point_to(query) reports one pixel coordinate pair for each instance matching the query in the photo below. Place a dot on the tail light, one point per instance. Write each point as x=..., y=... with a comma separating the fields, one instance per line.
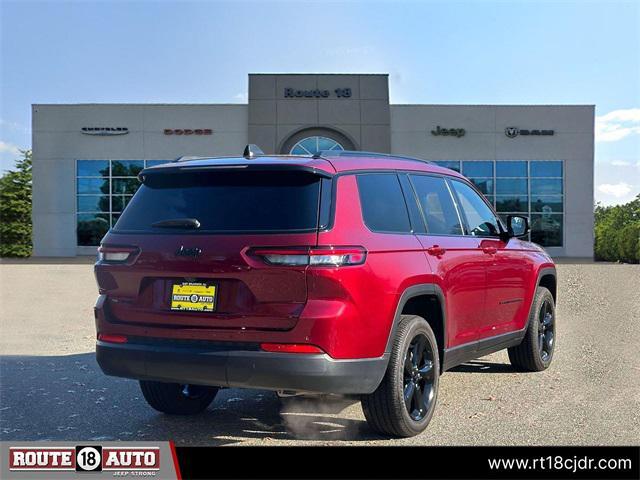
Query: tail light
x=290, y=348
x=312, y=256
x=119, y=254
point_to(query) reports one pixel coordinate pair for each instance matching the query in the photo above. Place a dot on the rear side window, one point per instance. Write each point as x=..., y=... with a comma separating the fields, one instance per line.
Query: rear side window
x=225, y=202
x=437, y=205
x=383, y=205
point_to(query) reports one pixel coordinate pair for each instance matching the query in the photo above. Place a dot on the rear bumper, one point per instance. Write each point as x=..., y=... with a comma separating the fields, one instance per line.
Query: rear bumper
x=241, y=368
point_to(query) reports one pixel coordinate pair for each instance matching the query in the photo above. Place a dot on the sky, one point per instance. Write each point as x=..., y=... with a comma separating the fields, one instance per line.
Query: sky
x=451, y=52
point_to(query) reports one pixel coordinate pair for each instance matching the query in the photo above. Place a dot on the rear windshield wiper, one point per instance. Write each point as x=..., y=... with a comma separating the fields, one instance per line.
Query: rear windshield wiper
x=177, y=223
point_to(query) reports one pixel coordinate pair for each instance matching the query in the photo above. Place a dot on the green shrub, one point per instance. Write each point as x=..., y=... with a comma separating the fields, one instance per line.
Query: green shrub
x=617, y=232
x=15, y=209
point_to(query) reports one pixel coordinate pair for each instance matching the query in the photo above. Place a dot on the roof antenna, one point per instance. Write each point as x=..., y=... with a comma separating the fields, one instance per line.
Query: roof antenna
x=252, y=151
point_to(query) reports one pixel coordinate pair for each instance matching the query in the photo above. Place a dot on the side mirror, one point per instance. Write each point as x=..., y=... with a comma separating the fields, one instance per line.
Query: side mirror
x=517, y=225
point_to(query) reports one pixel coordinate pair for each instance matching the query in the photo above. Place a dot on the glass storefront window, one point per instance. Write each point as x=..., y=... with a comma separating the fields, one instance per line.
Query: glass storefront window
x=477, y=169
x=91, y=228
x=315, y=144
x=546, y=229
x=93, y=203
x=449, y=164
x=124, y=186
x=485, y=185
x=546, y=168
x=153, y=163
x=511, y=185
x=94, y=186
x=93, y=168
x=546, y=203
x=546, y=186
x=512, y=203
x=511, y=169
x=103, y=190
x=523, y=187
x=126, y=168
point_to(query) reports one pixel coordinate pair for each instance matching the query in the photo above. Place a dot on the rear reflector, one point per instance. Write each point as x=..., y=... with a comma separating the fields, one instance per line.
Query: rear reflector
x=290, y=348
x=312, y=256
x=105, y=337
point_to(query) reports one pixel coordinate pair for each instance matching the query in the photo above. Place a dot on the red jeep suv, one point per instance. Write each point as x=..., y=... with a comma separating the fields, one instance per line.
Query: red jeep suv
x=346, y=273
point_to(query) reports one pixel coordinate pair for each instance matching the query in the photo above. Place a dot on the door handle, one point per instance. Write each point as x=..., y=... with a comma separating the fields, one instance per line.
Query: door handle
x=489, y=250
x=436, y=250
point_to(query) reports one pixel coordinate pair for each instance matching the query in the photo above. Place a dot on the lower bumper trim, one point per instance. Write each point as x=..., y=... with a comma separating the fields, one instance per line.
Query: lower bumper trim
x=317, y=373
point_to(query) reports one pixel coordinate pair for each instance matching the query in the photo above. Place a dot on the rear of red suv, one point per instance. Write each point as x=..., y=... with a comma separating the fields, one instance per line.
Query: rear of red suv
x=207, y=280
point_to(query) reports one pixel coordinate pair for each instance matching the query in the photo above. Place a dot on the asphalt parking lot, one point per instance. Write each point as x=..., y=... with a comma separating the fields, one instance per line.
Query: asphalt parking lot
x=51, y=387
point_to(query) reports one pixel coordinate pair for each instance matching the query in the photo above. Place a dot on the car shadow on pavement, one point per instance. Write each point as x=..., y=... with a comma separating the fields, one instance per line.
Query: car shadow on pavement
x=479, y=366
x=69, y=398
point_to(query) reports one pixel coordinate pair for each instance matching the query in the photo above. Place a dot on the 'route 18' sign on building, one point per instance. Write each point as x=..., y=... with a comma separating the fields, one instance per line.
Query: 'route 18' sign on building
x=316, y=93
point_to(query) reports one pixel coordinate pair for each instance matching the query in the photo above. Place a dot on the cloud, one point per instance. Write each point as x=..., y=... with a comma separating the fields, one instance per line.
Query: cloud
x=13, y=126
x=618, y=124
x=620, y=163
x=9, y=148
x=617, y=190
x=242, y=97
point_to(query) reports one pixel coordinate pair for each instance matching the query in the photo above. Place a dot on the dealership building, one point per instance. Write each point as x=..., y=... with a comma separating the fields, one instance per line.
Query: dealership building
x=535, y=160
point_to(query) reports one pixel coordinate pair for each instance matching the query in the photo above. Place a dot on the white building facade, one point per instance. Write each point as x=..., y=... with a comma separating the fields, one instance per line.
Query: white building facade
x=536, y=160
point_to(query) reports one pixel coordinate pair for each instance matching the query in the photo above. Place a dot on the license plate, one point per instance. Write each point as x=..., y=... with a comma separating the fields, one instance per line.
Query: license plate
x=193, y=297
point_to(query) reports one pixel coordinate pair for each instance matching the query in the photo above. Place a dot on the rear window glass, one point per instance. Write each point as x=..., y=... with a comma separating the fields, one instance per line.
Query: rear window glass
x=225, y=202
x=383, y=205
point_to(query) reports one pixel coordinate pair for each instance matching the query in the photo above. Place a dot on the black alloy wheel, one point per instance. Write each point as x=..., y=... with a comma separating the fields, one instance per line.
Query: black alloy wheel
x=404, y=402
x=546, y=330
x=535, y=352
x=418, y=377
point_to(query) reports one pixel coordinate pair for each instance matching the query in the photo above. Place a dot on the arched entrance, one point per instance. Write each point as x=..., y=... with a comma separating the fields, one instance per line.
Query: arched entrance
x=313, y=140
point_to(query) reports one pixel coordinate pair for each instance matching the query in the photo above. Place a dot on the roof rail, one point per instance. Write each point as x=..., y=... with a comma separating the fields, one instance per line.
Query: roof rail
x=356, y=153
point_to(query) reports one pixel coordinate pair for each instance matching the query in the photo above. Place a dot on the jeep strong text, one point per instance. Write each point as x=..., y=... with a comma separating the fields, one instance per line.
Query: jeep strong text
x=344, y=272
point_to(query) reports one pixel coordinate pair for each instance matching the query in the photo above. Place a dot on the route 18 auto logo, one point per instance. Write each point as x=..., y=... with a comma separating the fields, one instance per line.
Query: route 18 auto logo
x=85, y=458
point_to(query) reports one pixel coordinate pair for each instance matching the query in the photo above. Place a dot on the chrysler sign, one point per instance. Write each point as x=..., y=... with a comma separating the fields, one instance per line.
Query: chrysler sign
x=105, y=131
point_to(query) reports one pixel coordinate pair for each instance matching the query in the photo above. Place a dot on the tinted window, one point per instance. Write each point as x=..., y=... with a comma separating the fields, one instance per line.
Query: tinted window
x=511, y=169
x=548, y=186
x=93, y=168
x=437, y=205
x=480, y=219
x=225, y=202
x=546, y=169
x=126, y=168
x=477, y=169
x=511, y=185
x=383, y=205
x=485, y=185
x=452, y=165
x=546, y=229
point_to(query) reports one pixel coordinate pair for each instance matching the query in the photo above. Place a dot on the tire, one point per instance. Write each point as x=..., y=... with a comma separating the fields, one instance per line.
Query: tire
x=385, y=409
x=535, y=353
x=177, y=399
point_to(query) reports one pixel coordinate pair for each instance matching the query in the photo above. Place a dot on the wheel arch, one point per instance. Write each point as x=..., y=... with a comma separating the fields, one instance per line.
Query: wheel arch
x=547, y=278
x=426, y=300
